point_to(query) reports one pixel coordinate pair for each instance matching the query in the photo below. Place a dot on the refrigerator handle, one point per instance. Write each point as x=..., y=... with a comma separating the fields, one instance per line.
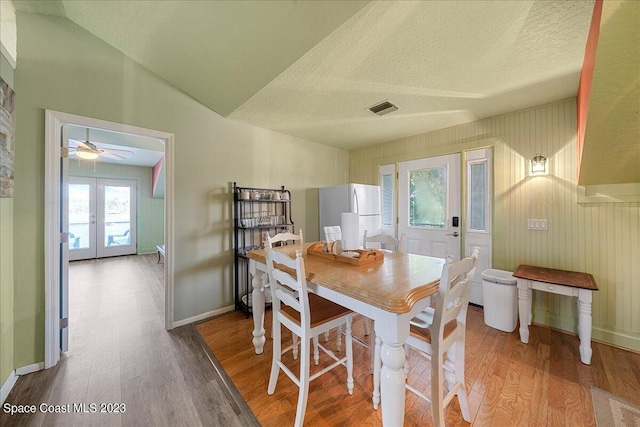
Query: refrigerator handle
x=355, y=196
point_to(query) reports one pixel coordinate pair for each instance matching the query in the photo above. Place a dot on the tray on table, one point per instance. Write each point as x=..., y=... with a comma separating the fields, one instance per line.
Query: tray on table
x=367, y=256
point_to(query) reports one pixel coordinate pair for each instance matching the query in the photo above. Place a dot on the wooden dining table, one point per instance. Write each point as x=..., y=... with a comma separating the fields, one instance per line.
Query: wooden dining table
x=391, y=293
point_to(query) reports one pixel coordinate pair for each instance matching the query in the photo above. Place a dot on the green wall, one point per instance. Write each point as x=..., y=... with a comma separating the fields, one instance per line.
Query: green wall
x=6, y=288
x=149, y=211
x=599, y=238
x=64, y=68
x=6, y=263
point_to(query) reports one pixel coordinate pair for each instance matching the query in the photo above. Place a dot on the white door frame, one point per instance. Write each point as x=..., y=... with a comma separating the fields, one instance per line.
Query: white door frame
x=54, y=120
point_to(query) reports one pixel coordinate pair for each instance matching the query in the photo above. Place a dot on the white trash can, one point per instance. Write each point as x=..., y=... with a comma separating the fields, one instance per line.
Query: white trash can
x=500, y=298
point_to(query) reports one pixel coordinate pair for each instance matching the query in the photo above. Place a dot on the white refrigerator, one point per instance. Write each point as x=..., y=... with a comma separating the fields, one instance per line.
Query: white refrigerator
x=360, y=198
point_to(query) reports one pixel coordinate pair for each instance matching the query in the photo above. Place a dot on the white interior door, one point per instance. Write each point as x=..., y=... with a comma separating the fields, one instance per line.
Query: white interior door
x=478, y=214
x=102, y=217
x=429, y=205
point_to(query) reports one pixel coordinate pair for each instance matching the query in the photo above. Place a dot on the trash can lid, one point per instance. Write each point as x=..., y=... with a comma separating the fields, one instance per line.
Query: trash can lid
x=499, y=276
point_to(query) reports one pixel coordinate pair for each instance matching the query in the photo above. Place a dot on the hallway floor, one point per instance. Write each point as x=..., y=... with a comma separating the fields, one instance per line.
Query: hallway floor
x=119, y=352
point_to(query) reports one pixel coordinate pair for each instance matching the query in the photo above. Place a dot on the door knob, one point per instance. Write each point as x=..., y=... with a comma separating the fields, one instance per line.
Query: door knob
x=454, y=234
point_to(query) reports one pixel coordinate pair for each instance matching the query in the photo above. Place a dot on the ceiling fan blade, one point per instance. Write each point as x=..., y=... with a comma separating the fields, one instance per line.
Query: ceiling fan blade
x=112, y=155
x=116, y=151
x=83, y=144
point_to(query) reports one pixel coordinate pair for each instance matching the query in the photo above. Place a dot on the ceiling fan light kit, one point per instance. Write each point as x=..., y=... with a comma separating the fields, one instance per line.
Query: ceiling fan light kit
x=86, y=154
x=88, y=151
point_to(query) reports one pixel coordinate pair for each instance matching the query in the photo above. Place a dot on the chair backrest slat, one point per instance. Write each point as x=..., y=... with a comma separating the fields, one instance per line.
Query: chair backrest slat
x=283, y=238
x=286, y=293
x=284, y=285
x=383, y=239
x=452, y=299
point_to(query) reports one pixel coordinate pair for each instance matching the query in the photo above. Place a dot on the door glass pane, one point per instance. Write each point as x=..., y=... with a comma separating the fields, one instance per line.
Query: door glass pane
x=478, y=196
x=79, y=216
x=117, y=215
x=387, y=199
x=428, y=197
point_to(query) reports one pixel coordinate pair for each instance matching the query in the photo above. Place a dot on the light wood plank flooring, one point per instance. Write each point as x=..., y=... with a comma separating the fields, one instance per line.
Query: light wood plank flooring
x=120, y=353
x=509, y=383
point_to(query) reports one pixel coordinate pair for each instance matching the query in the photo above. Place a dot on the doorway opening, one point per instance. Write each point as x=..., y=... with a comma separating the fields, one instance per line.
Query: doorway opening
x=58, y=240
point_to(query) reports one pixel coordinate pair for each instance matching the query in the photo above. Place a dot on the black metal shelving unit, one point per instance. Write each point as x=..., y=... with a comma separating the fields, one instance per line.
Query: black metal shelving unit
x=256, y=213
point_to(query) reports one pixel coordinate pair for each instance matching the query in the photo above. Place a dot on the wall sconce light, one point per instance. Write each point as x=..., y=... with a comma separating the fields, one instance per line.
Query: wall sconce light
x=539, y=165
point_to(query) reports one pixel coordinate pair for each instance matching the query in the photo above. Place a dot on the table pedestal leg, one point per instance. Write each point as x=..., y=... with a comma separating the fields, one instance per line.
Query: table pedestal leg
x=258, y=311
x=524, y=309
x=584, y=325
x=376, y=372
x=392, y=384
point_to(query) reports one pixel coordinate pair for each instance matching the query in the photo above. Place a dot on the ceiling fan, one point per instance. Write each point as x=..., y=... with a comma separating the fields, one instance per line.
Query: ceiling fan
x=88, y=151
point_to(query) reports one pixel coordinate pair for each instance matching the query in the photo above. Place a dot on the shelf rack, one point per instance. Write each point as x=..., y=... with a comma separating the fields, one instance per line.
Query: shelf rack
x=257, y=212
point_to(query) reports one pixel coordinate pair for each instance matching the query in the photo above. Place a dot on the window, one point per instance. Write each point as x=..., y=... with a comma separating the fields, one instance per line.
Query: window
x=428, y=197
x=478, y=196
x=386, y=184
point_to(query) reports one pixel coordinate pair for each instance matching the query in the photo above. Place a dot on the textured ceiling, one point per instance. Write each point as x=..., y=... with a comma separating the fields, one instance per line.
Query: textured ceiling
x=218, y=52
x=444, y=63
x=311, y=68
x=611, y=151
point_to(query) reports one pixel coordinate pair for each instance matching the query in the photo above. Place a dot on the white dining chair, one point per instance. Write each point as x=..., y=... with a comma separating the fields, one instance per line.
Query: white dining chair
x=446, y=334
x=391, y=242
x=288, y=238
x=285, y=239
x=305, y=315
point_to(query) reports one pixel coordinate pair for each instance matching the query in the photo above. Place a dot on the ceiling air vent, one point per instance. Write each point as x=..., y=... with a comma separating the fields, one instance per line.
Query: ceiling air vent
x=383, y=108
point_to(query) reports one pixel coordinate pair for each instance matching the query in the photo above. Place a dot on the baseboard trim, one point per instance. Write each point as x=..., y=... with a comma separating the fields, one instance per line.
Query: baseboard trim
x=147, y=251
x=616, y=339
x=7, y=386
x=570, y=325
x=203, y=316
x=35, y=367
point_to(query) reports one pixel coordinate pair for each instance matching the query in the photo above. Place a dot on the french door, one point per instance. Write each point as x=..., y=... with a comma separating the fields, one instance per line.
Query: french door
x=102, y=217
x=429, y=205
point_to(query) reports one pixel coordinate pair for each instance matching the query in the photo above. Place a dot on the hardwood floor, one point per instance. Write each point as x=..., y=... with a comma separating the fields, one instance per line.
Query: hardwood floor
x=119, y=352
x=542, y=383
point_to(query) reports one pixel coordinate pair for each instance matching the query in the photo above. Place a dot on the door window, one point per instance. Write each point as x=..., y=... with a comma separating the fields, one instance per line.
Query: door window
x=79, y=215
x=428, y=197
x=117, y=215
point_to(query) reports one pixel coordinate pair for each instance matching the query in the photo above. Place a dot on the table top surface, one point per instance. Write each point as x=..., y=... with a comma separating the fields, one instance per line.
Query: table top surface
x=558, y=277
x=394, y=285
